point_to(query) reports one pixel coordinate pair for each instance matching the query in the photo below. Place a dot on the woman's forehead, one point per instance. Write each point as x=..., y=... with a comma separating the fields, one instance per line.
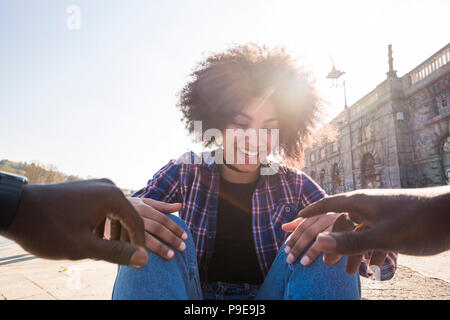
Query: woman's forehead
x=259, y=109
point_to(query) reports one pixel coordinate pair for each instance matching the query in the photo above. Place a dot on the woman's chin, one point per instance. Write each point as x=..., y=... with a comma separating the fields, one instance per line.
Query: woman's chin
x=248, y=167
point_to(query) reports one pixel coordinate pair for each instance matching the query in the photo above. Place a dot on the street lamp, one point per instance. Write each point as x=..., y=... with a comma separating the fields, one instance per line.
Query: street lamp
x=334, y=75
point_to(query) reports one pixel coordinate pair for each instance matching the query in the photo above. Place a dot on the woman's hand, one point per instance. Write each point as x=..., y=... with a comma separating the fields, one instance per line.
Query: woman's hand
x=157, y=226
x=303, y=232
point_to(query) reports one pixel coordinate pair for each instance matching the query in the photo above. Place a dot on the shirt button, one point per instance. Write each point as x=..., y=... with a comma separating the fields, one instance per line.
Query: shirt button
x=287, y=209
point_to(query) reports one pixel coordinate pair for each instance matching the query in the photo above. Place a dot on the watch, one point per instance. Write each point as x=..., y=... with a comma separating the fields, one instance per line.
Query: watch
x=11, y=186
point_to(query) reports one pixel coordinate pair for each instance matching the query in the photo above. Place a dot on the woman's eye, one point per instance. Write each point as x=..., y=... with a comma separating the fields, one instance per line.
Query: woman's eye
x=240, y=124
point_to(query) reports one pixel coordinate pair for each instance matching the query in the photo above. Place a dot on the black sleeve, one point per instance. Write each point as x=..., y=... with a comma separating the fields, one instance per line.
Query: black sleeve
x=10, y=193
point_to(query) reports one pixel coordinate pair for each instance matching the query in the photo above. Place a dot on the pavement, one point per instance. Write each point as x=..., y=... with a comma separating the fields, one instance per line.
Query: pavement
x=26, y=277
x=416, y=278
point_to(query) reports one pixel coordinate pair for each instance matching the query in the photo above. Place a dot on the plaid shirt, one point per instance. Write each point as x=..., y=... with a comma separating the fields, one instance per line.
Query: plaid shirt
x=194, y=182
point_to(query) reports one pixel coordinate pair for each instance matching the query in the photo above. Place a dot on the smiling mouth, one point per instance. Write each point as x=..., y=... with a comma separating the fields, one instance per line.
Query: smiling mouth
x=248, y=152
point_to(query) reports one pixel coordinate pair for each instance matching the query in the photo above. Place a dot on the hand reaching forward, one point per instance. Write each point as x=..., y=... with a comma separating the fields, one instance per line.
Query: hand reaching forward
x=67, y=220
x=306, y=229
x=408, y=221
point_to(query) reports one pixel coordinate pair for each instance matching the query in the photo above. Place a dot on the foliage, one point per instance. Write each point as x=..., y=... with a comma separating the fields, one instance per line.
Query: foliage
x=36, y=172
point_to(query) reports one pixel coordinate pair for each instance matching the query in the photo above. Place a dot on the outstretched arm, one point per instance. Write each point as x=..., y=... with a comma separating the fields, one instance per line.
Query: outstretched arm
x=67, y=220
x=409, y=221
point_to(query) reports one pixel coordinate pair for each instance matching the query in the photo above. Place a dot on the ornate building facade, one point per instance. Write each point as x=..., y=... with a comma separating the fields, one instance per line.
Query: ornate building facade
x=396, y=136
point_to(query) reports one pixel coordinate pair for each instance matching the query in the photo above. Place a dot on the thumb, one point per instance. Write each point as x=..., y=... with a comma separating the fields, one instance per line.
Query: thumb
x=118, y=252
x=348, y=243
x=291, y=226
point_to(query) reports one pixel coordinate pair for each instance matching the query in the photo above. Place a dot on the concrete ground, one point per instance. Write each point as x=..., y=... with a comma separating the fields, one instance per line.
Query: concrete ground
x=416, y=278
x=23, y=276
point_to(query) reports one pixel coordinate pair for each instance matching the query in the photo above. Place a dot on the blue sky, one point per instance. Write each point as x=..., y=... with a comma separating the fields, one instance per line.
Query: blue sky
x=100, y=101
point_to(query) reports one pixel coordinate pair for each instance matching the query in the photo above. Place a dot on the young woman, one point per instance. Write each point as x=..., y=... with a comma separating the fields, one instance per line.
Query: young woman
x=228, y=241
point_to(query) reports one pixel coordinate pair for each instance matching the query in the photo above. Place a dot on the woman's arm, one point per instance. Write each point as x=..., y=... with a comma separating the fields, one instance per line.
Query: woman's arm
x=164, y=186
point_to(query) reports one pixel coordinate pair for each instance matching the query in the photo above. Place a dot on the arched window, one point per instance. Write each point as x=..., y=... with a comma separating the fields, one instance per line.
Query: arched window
x=368, y=174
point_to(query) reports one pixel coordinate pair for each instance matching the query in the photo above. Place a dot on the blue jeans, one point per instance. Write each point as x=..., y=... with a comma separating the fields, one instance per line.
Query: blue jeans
x=178, y=279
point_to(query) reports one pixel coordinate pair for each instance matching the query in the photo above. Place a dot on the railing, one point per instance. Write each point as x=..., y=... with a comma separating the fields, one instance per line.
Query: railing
x=440, y=58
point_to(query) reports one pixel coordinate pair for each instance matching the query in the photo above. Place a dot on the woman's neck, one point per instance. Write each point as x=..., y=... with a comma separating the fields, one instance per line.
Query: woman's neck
x=236, y=176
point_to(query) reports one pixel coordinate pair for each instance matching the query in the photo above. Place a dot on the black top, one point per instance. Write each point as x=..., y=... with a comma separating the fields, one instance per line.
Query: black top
x=234, y=257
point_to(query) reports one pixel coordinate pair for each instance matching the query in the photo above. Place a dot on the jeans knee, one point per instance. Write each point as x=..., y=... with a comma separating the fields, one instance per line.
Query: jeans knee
x=160, y=273
x=321, y=281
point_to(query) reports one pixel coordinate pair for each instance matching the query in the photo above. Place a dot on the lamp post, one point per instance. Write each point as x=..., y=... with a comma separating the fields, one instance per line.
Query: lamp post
x=334, y=75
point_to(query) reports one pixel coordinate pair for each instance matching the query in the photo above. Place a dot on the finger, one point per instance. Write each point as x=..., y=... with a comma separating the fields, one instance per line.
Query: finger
x=311, y=255
x=291, y=226
x=150, y=213
x=115, y=230
x=355, y=204
x=156, y=246
x=348, y=243
x=335, y=203
x=353, y=263
x=340, y=225
x=130, y=220
x=163, y=206
x=292, y=240
x=118, y=252
x=343, y=223
x=107, y=233
x=304, y=241
x=331, y=258
x=100, y=229
x=377, y=258
x=156, y=229
x=124, y=235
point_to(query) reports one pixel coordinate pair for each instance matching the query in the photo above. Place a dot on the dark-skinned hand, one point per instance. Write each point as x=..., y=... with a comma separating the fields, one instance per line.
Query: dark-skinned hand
x=408, y=221
x=67, y=220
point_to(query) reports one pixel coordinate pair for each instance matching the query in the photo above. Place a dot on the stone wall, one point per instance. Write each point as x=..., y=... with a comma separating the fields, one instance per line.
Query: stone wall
x=396, y=137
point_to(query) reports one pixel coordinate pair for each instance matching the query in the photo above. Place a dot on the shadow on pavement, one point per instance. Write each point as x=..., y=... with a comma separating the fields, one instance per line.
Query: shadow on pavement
x=17, y=258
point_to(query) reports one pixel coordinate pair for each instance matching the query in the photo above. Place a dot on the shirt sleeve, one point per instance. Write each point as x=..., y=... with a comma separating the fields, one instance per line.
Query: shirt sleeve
x=164, y=186
x=386, y=272
x=310, y=190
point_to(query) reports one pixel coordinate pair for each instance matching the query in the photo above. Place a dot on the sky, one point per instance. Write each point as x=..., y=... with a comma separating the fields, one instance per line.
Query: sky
x=96, y=97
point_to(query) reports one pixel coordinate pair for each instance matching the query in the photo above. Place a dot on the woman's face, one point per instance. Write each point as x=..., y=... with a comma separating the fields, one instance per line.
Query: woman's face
x=244, y=142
